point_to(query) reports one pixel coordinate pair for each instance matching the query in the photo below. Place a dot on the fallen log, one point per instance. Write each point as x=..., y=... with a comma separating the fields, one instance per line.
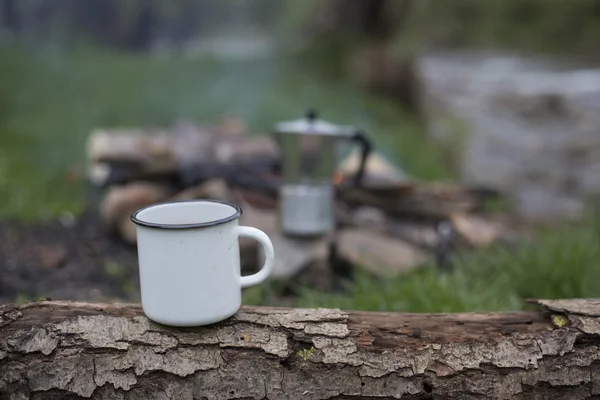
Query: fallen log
x=429, y=200
x=382, y=255
x=179, y=155
x=68, y=350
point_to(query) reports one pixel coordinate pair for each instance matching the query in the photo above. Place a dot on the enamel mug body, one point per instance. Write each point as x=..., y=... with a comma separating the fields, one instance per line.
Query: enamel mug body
x=189, y=261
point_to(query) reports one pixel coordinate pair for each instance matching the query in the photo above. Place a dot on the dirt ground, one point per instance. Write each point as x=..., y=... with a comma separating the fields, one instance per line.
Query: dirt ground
x=76, y=261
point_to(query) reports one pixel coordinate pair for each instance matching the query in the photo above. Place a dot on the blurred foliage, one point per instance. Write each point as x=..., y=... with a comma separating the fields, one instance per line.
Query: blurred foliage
x=526, y=25
x=51, y=100
x=538, y=25
x=142, y=24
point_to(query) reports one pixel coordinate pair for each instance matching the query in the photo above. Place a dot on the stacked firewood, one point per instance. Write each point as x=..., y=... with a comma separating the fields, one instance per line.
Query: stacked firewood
x=388, y=225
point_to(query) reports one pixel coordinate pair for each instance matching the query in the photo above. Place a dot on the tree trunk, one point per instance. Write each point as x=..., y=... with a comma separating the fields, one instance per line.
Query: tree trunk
x=67, y=350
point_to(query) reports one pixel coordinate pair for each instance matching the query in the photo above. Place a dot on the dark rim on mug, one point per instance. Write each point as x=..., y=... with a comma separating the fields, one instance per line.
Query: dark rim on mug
x=234, y=216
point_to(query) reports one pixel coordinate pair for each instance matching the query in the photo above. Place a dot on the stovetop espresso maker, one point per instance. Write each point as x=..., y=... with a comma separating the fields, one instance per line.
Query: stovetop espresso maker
x=309, y=150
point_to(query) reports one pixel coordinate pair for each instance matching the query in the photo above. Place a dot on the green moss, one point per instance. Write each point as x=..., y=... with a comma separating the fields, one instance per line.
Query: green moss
x=305, y=354
x=23, y=298
x=559, y=320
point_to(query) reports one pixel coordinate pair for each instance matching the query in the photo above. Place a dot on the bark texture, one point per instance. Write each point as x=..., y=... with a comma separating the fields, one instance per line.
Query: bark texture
x=68, y=350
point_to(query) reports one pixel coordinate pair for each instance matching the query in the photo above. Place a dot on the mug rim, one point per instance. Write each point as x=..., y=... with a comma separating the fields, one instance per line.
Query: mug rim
x=234, y=216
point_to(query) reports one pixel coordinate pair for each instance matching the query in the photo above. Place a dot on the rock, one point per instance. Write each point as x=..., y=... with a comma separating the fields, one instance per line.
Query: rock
x=420, y=234
x=527, y=126
x=121, y=201
x=542, y=204
x=51, y=256
x=292, y=256
x=589, y=179
x=371, y=217
x=379, y=254
x=127, y=230
x=478, y=231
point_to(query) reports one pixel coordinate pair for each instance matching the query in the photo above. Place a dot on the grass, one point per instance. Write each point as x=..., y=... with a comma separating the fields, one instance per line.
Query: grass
x=50, y=101
x=559, y=264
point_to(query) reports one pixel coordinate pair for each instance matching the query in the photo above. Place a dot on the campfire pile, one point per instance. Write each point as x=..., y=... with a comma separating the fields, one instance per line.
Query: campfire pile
x=388, y=225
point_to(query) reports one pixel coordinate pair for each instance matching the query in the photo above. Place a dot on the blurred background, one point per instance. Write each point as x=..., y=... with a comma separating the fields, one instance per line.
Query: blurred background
x=499, y=94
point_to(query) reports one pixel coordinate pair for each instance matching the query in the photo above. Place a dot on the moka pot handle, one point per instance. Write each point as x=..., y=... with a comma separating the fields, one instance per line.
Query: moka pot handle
x=363, y=140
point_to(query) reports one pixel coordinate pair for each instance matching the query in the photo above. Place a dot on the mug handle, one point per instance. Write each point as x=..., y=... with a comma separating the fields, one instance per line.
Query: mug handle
x=267, y=268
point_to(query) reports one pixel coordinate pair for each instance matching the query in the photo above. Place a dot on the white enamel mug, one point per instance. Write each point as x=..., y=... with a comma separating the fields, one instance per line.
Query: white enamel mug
x=189, y=260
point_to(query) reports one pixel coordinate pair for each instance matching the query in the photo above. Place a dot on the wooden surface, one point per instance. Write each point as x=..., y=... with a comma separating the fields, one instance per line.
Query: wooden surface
x=52, y=350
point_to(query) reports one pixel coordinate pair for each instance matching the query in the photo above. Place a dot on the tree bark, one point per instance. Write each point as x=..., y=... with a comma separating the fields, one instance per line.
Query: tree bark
x=68, y=350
